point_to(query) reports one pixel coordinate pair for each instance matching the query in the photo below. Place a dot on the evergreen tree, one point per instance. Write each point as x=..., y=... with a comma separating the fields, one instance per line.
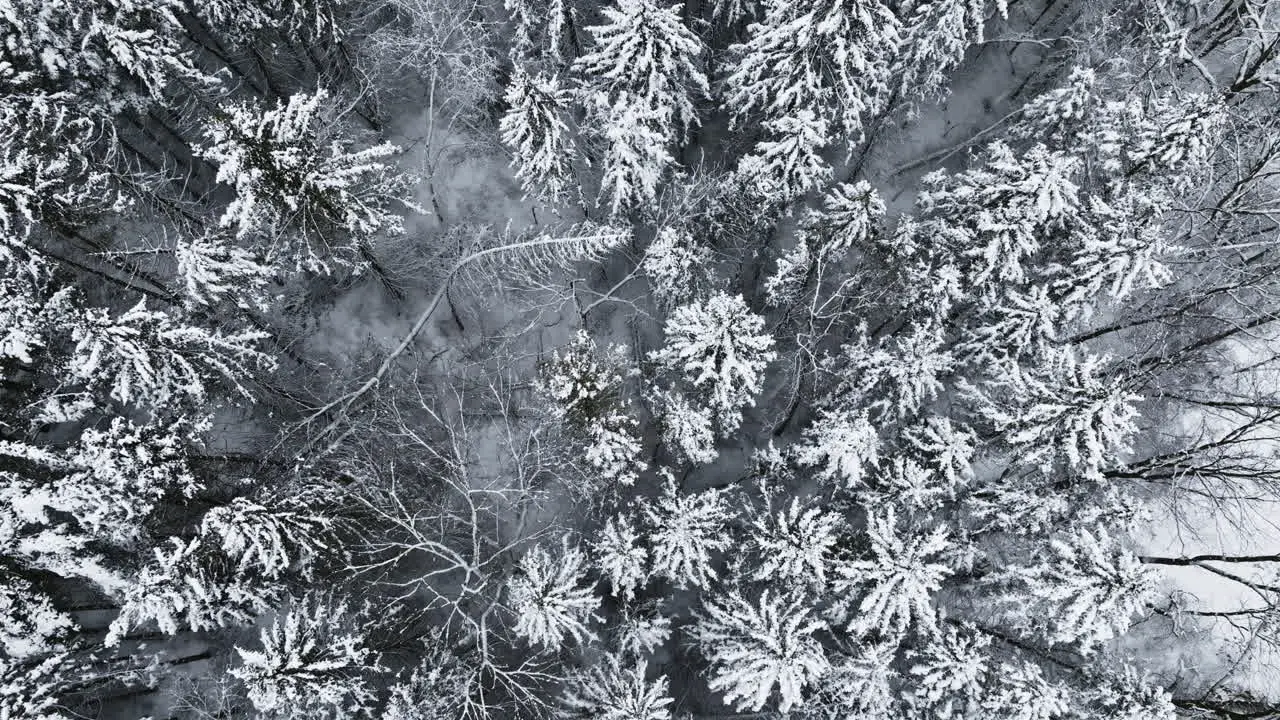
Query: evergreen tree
x=755, y=647
x=537, y=134
x=719, y=347
x=829, y=59
x=622, y=557
x=302, y=194
x=645, y=57
x=896, y=583
x=549, y=600
x=795, y=543
x=639, y=84
x=685, y=530
x=613, y=691
x=312, y=661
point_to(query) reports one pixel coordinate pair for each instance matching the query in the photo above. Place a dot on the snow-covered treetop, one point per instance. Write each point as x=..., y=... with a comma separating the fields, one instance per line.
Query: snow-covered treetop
x=214, y=270
x=550, y=599
x=106, y=51
x=949, y=674
x=829, y=58
x=30, y=625
x=535, y=130
x=314, y=659
x=849, y=218
x=678, y=267
x=585, y=388
x=1089, y=590
x=47, y=168
x=685, y=531
x=149, y=358
x=622, y=556
x=638, y=85
x=271, y=537
x=29, y=690
x=934, y=41
x=1006, y=207
x=291, y=174
x=645, y=56
x=611, y=690
x=111, y=479
x=755, y=647
x=790, y=163
x=1065, y=410
x=794, y=543
x=897, y=582
x=845, y=447
x=176, y=590
x=243, y=20
x=636, y=151
x=687, y=428
x=896, y=377
x=720, y=348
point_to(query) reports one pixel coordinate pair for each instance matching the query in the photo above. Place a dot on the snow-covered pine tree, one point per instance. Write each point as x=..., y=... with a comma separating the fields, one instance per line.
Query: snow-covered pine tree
x=1088, y=590
x=272, y=536
x=896, y=377
x=844, y=446
x=790, y=163
x=849, y=219
x=151, y=358
x=30, y=624
x=638, y=85
x=622, y=557
x=585, y=387
x=612, y=690
x=635, y=152
x=945, y=447
x=212, y=269
x=304, y=195
x=678, y=267
x=1004, y=209
x=29, y=689
x=103, y=53
x=184, y=588
x=545, y=30
x=830, y=59
x=893, y=589
x=756, y=647
x=535, y=131
x=51, y=175
x=1127, y=693
x=792, y=275
x=1022, y=692
x=719, y=347
x=644, y=56
x=685, y=531
x=1064, y=412
x=109, y=481
x=794, y=543
x=934, y=41
x=863, y=682
x=314, y=661
x=688, y=429
x=243, y=22
x=641, y=630
x=949, y=675
x=550, y=599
